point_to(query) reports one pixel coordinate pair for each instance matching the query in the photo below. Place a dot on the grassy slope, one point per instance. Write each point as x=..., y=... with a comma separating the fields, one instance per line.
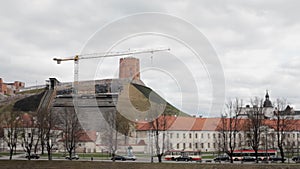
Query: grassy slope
x=142, y=98
x=26, y=104
x=30, y=103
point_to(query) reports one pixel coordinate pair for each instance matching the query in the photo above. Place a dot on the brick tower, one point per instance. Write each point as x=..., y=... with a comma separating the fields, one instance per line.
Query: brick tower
x=129, y=68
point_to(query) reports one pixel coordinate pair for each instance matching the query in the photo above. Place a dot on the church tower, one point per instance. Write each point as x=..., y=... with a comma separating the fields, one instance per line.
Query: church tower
x=267, y=102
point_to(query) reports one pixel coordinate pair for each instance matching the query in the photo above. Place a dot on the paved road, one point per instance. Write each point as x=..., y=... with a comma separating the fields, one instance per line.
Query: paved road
x=139, y=159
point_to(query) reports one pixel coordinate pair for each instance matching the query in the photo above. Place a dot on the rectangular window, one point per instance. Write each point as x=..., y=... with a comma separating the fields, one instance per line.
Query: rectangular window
x=177, y=146
x=177, y=135
x=196, y=135
x=171, y=135
x=183, y=135
x=201, y=135
x=171, y=146
x=214, y=145
x=202, y=145
x=208, y=145
x=214, y=135
x=196, y=145
x=208, y=136
x=190, y=145
x=183, y=145
x=190, y=135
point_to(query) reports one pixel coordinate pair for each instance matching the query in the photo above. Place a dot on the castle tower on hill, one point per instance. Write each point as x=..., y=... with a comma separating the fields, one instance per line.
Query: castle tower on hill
x=129, y=68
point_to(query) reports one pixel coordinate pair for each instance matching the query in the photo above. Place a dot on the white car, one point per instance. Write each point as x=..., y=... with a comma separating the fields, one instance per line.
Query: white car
x=74, y=157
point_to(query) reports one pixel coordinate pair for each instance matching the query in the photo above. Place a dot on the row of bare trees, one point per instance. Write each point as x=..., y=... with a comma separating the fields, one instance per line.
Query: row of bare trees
x=40, y=131
x=252, y=123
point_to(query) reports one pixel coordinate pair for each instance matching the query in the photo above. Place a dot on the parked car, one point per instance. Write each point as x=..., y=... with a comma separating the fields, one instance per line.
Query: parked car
x=296, y=159
x=124, y=158
x=32, y=156
x=183, y=158
x=275, y=158
x=248, y=159
x=221, y=158
x=73, y=157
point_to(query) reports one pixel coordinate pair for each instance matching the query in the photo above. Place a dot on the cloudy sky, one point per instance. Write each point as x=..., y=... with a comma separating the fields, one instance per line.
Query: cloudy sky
x=257, y=44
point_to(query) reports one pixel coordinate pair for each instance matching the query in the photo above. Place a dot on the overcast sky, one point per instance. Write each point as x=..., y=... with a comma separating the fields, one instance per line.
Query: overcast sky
x=257, y=43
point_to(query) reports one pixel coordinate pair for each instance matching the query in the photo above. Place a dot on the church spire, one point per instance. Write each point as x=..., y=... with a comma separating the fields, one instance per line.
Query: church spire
x=267, y=95
x=267, y=102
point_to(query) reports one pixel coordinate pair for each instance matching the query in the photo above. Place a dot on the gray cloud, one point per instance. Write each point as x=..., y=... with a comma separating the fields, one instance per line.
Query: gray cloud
x=257, y=43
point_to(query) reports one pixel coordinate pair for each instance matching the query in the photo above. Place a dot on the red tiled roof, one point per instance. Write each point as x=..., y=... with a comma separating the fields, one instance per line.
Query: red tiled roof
x=211, y=124
x=184, y=124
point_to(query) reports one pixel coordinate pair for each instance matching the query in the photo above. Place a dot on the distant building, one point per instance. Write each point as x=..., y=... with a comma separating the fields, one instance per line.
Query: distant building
x=267, y=111
x=10, y=88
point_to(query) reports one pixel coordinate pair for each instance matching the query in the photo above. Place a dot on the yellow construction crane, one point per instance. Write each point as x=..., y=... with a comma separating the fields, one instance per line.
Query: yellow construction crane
x=101, y=55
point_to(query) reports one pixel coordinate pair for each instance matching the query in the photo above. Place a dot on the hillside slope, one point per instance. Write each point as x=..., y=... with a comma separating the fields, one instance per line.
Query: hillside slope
x=149, y=93
x=139, y=103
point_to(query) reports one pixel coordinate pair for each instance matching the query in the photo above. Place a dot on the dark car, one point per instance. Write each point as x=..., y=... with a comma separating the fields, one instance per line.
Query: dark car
x=183, y=158
x=221, y=158
x=248, y=159
x=124, y=158
x=73, y=157
x=296, y=159
x=32, y=156
x=275, y=158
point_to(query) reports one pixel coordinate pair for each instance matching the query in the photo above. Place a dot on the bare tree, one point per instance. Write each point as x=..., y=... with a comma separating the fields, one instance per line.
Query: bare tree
x=254, y=124
x=110, y=134
x=116, y=125
x=50, y=134
x=40, y=124
x=123, y=126
x=282, y=124
x=158, y=127
x=71, y=130
x=11, y=123
x=29, y=135
x=230, y=125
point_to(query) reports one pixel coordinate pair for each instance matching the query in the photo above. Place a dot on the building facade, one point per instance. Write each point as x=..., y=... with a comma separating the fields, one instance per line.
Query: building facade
x=10, y=88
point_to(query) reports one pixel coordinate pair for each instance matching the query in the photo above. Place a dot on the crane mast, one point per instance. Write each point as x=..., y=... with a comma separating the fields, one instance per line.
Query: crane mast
x=77, y=58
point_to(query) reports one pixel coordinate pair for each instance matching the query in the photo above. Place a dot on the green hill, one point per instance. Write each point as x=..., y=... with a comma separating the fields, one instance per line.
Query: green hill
x=169, y=109
x=138, y=102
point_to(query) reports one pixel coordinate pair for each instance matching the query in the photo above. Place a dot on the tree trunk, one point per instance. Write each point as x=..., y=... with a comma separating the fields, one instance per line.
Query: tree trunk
x=281, y=153
x=42, y=146
x=10, y=153
x=49, y=153
x=159, y=156
x=231, y=157
x=256, y=155
x=70, y=154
